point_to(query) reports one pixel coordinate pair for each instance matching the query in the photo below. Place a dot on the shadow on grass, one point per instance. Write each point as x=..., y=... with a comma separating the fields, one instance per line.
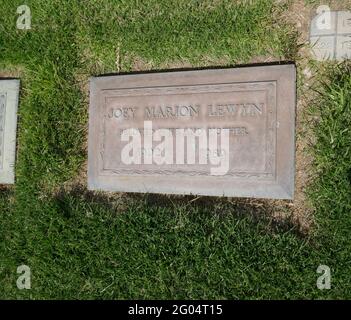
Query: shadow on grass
x=275, y=215
x=258, y=64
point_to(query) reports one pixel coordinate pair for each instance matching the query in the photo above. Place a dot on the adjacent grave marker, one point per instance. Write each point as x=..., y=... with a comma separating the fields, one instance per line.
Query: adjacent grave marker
x=330, y=35
x=9, y=91
x=209, y=132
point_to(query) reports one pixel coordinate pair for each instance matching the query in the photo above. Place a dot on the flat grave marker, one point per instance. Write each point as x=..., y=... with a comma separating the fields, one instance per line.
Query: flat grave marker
x=219, y=132
x=331, y=38
x=9, y=91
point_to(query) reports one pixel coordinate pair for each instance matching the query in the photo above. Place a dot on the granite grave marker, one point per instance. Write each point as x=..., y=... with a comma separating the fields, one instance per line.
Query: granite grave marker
x=219, y=132
x=9, y=91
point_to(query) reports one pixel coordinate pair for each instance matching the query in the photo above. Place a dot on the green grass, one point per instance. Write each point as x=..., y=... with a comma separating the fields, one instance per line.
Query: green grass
x=331, y=190
x=90, y=245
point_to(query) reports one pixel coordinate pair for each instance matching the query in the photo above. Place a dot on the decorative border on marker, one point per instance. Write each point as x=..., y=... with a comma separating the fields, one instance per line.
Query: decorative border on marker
x=270, y=87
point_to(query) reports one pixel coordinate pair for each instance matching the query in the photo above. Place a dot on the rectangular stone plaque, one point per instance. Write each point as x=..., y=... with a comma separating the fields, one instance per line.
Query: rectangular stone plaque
x=330, y=35
x=9, y=91
x=220, y=132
